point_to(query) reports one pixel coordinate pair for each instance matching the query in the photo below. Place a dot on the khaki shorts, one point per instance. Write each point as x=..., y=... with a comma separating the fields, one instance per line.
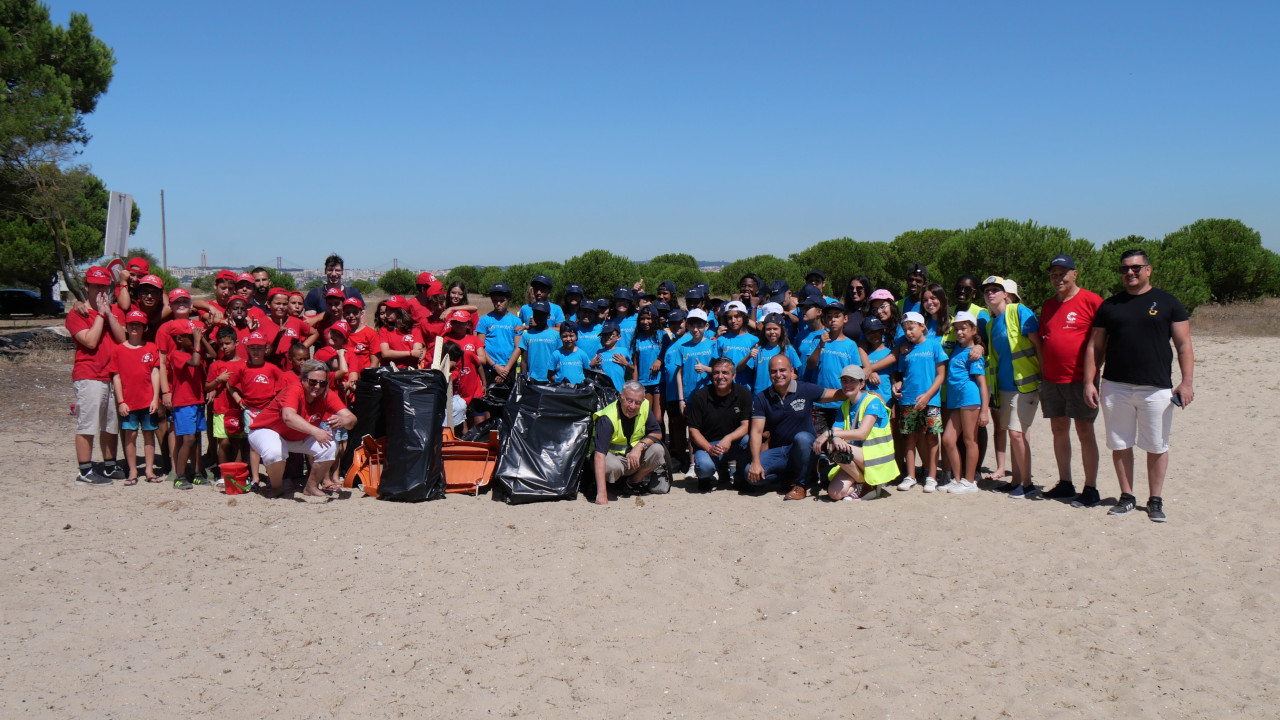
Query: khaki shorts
x=1023, y=405
x=1065, y=400
x=95, y=408
x=1137, y=416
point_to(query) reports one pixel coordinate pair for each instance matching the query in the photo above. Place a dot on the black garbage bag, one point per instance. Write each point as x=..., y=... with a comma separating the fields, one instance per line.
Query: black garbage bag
x=606, y=393
x=413, y=402
x=366, y=405
x=480, y=433
x=546, y=431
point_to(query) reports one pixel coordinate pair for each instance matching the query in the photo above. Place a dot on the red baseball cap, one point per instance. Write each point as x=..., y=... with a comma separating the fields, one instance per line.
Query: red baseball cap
x=460, y=316
x=97, y=276
x=325, y=354
x=136, y=316
x=342, y=327
x=152, y=280
x=178, y=294
x=234, y=298
x=256, y=338
x=334, y=292
x=139, y=264
x=244, y=277
x=353, y=302
x=225, y=275
x=181, y=327
x=231, y=423
x=277, y=291
x=426, y=278
x=395, y=301
x=435, y=288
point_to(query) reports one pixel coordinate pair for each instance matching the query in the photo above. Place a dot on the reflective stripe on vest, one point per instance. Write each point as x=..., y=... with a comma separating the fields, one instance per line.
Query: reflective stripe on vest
x=878, y=464
x=618, y=444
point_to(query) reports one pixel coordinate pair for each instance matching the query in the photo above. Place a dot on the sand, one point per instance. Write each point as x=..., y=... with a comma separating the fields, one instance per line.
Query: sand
x=141, y=602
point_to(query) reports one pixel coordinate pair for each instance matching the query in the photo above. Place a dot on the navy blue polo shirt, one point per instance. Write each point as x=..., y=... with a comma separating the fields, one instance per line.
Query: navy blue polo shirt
x=786, y=416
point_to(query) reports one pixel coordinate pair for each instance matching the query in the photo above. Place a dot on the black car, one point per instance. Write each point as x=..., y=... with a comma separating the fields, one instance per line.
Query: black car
x=16, y=301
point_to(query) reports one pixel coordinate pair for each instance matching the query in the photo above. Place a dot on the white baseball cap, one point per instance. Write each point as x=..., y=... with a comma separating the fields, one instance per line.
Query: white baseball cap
x=1011, y=287
x=965, y=316
x=735, y=305
x=771, y=308
x=697, y=314
x=913, y=316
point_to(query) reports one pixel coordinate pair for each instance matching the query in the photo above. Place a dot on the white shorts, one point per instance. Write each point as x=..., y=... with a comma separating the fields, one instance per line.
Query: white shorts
x=273, y=449
x=95, y=408
x=1023, y=405
x=1137, y=416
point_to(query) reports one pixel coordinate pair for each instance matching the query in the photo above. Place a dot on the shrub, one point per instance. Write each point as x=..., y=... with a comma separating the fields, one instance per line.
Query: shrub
x=1229, y=256
x=843, y=258
x=313, y=283
x=683, y=276
x=468, y=275
x=680, y=259
x=1171, y=270
x=519, y=277
x=281, y=279
x=768, y=267
x=399, y=281
x=1011, y=249
x=204, y=283
x=599, y=272
x=364, y=287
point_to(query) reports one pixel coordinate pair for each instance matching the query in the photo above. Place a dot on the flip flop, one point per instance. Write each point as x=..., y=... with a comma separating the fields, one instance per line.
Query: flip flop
x=155, y=479
x=130, y=481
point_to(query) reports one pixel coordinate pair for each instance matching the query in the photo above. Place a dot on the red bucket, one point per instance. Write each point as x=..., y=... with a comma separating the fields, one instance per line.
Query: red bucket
x=235, y=478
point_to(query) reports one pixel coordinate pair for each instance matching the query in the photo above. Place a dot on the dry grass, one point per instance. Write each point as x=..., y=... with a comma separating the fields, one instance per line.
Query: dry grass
x=1245, y=319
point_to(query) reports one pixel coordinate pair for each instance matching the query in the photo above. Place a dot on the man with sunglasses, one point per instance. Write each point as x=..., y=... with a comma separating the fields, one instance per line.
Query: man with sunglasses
x=1131, y=337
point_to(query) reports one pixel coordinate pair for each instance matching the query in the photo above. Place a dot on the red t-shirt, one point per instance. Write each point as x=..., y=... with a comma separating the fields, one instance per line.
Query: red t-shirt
x=470, y=386
x=91, y=364
x=259, y=314
x=258, y=385
x=186, y=382
x=281, y=337
x=204, y=314
x=419, y=312
x=1065, y=328
x=361, y=347
x=400, y=341
x=294, y=397
x=222, y=403
x=164, y=336
x=134, y=366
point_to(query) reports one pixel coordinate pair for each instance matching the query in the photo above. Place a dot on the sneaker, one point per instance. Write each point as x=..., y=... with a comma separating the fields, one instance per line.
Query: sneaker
x=91, y=477
x=907, y=483
x=962, y=487
x=1064, y=490
x=1155, y=509
x=1024, y=492
x=1006, y=487
x=219, y=483
x=876, y=491
x=200, y=478
x=1125, y=506
x=182, y=483
x=848, y=498
x=930, y=485
x=116, y=472
x=1087, y=498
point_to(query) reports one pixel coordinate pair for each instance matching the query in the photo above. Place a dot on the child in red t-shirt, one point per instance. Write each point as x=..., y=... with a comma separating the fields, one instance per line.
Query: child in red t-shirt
x=281, y=328
x=334, y=356
x=362, y=344
x=401, y=340
x=95, y=328
x=185, y=388
x=297, y=304
x=471, y=377
x=135, y=376
x=254, y=387
x=228, y=421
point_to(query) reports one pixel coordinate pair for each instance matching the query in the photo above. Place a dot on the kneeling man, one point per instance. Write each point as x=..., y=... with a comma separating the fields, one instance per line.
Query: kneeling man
x=628, y=445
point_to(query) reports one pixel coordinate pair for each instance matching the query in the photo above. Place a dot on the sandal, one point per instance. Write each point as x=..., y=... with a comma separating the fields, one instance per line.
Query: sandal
x=154, y=479
x=130, y=481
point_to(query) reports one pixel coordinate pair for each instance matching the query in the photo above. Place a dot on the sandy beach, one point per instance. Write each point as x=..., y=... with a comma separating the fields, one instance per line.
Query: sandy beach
x=149, y=602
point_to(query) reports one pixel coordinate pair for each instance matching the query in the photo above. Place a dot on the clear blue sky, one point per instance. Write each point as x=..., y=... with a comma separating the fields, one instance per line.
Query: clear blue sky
x=490, y=133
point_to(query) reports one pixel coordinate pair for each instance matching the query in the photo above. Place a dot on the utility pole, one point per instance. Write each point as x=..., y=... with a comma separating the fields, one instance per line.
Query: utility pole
x=164, y=241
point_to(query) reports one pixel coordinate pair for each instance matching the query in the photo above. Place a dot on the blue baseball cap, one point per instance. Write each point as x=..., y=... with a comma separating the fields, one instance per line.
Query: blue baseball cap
x=661, y=308
x=668, y=286
x=624, y=293
x=588, y=306
x=696, y=293
x=543, y=280
x=872, y=324
x=778, y=290
x=649, y=310
x=810, y=295
x=837, y=305
x=609, y=327
x=1063, y=261
x=676, y=316
x=569, y=325
x=573, y=289
x=500, y=288
x=541, y=306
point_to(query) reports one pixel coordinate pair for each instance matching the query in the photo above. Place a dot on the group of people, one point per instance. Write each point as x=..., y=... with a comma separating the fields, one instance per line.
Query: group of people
x=782, y=387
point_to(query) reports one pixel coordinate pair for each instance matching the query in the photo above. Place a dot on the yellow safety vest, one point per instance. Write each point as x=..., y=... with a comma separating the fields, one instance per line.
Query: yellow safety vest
x=878, y=463
x=618, y=444
x=1026, y=366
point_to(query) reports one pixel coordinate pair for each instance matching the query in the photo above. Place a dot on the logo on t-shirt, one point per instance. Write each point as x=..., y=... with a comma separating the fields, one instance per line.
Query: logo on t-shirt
x=1071, y=318
x=1153, y=310
x=262, y=379
x=406, y=338
x=148, y=357
x=797, y=404
x=361, y=347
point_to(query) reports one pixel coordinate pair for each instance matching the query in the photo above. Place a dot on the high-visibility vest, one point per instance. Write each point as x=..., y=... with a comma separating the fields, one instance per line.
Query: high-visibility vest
x=618, y=444
x=878, y=463
x=1026, y=366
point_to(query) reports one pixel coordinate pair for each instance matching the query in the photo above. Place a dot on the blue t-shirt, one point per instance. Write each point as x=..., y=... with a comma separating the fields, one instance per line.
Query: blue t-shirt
x=759, y=365
x=786, y=416
x=557, y=315
x=919, y=369
x=736, y=348
x=885, y=388
x=568, y=365
x=909, y=305
x=617, y=373
x=626, y=330
x=800, y=333
x=671, y=366
x=499, y=333
x=835, y=356
x=962, y=389
x=875, y=409
x=646, y=350
x=690, y=357
x=540, y=344
x=984, y=319
x=1000, y=342
x=805, y=350
x=589, y=340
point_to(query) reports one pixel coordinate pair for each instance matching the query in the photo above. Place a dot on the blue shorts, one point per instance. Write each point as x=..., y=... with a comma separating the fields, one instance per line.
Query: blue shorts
x=188, y=420
x=139, y=420
x=339, y=434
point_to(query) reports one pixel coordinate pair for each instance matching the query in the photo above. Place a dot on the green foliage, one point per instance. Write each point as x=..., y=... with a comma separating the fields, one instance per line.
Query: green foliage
x=681, y=259
x=519, y=277
x=842, y=258
x=203, y=283
x=281, y=279
x=364, y=287
x=1227, y=254
x=1172, y=270
x=768, y=267
x=1017, y=250
x=488, y=277
x=399, y=281
x=312, y=284
x=916, y=246
x=468, y=275
x=599, y=272
x=170, y=282
x=683, y=276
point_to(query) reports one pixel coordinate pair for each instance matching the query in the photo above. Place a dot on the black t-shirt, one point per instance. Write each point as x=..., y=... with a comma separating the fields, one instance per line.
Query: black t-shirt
x=1139, y=331
x=604, y=429
x=315, y=300
x=715, y=416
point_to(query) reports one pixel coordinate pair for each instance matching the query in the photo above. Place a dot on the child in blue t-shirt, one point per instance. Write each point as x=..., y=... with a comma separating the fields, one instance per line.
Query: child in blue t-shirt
x=610, y=359
x=966, y=405
x=568, y=360
x=917, y=383
x=878, y=360
x=736, y=343
x=832, y=352
x=538, y=343
x=499, y=330
x=694, y=357
x=677, y=442
x=757, y=361
x=588, y=328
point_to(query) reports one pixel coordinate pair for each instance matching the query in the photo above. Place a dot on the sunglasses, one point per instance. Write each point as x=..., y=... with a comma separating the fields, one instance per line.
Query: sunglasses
x=857, y=289
x=1126, y=269
x=315, y=383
